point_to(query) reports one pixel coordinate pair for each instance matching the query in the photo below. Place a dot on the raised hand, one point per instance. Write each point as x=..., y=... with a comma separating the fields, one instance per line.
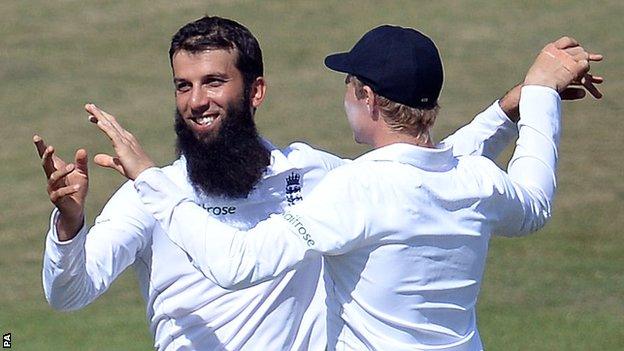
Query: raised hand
x=564, y=65
x=68, y=184
x=130, y=160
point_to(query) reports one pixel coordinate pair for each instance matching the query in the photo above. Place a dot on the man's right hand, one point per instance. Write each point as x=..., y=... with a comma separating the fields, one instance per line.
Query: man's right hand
x=564, y=63
x=67, y=187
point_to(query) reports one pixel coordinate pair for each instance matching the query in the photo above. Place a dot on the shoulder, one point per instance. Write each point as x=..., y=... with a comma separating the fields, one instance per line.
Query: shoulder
x=478, y=166
x=345, y=181
x=485, y=174
x=303, y=155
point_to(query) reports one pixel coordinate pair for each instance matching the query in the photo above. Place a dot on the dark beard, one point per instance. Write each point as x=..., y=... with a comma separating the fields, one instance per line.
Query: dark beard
x=229, y=163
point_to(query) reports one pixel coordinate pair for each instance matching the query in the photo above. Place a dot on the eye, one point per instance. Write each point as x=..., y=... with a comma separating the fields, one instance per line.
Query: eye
x=215, y=83
x=182, y=87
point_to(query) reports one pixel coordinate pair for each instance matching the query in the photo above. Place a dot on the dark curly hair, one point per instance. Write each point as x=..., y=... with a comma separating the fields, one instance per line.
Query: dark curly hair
x=212, y=32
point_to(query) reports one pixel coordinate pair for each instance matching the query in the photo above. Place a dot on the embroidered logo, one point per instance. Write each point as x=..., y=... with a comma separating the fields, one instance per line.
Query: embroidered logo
x=293, y=188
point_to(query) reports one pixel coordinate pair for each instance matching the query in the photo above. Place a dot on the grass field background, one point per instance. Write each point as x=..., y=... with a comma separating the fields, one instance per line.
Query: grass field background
x=560, y=289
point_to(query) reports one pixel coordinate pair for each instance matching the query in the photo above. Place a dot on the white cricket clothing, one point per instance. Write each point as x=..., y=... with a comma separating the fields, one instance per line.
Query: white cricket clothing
x=184, y=309
x=404, y=231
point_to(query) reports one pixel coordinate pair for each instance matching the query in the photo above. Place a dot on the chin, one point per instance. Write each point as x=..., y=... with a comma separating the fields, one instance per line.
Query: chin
x=206, y=134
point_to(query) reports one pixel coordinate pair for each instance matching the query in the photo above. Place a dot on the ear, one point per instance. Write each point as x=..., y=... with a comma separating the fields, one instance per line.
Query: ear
x=258, y=91
x=371, y=102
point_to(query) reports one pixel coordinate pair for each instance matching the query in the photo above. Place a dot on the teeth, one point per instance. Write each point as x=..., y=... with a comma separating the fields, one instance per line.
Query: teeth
x=205, y=121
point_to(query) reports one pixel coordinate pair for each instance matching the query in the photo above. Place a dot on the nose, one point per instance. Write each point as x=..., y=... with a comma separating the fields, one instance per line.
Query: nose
x=199, y=100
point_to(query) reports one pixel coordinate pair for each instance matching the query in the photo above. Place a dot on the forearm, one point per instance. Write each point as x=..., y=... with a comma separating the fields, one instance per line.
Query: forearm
x=66, y=283
x=225, y=255
x=77, y=271
x=487, y=134
x=534, y=163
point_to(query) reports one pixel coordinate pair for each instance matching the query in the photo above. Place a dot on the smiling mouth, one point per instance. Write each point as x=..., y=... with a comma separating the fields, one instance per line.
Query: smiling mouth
x=203, y=120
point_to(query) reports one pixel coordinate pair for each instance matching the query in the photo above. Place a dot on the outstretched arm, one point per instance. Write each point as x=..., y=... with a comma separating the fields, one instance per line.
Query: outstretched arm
x=77, y=267
x=233, y=258
x=531, y=181
x=494, y=128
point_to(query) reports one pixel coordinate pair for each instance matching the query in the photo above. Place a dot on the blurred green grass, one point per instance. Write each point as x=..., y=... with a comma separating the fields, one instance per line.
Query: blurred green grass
x=561, y=289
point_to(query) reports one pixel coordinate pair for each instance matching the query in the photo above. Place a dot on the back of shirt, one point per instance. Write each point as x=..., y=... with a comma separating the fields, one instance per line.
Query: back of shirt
x=412, y=276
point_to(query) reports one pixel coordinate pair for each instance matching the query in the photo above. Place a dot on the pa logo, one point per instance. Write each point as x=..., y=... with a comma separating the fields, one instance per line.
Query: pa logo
x=6, y=341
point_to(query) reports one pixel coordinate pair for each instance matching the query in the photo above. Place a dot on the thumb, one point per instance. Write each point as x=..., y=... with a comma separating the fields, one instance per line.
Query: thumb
x=109, y=161
x=81, y=161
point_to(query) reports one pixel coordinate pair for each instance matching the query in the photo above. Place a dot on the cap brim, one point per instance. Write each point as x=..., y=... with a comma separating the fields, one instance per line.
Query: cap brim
x=338, y=62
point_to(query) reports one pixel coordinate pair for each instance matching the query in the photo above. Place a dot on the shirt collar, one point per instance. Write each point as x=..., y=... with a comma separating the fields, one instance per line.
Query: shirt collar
x=279, y=162
x=435, y=159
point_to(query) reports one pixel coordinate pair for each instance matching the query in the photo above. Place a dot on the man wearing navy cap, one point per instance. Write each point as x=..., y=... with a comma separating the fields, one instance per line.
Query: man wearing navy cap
x=404, y=229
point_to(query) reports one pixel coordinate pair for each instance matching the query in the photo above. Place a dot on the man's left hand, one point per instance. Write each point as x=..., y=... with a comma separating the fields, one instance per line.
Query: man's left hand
x=131, y=159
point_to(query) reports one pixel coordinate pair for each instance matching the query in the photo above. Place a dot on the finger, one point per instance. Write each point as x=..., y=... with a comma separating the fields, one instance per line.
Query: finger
x=575, y=50
x=109, y=161
x=572, y=93
x=39, y=144
x=97, y=116
x=102, y=122
x=101, y=114
x=595, y=57
x=82, y=161
x=596, y=79
x=59, y=194
x=591, y=88
x=58, y=175
x=565, y=42
x=46, y=161
x=581, y=56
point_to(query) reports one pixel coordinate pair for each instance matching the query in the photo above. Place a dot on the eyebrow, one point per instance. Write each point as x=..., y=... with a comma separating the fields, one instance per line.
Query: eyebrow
x=208, y=76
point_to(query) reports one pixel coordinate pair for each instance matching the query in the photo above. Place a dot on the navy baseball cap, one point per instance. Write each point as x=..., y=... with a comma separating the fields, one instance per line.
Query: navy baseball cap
x=400, y=64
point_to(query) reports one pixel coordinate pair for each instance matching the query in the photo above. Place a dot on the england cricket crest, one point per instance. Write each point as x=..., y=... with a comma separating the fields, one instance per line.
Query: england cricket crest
x=293, y=188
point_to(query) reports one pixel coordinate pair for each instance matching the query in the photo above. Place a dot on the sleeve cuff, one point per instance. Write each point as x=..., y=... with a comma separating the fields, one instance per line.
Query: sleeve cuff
x=537, y=103
x=152, y=185
x=542, y=90
x=158, y=193
x=501, y=114
x=56, y=249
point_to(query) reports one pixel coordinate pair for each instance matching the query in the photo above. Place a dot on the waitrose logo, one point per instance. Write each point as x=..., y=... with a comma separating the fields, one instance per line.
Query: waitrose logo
x=220, y=210
x=299, y=227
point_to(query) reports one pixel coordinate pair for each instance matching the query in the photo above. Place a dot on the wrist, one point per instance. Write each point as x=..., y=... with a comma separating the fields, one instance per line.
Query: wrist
x=67, y=227
x=141, y=169
x=510, y=103
x=542, y=81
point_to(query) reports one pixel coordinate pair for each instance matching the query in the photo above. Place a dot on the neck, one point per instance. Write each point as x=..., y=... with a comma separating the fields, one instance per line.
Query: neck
x=393, y=137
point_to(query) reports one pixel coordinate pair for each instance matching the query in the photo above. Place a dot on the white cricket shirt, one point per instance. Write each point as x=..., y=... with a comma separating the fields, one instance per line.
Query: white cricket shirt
x=404, y=231
x=184, y=309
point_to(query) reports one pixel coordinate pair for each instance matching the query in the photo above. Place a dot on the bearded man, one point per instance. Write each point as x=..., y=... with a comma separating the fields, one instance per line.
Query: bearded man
x=236, y=176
